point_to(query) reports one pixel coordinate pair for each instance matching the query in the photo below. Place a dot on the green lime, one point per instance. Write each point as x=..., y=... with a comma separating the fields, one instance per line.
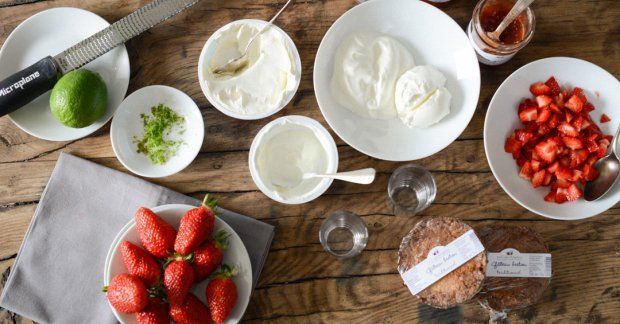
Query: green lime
x=79, y=98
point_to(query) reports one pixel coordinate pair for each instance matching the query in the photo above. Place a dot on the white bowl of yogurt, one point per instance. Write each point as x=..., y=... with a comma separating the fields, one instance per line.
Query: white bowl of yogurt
x=287, y=148
x=266, y=85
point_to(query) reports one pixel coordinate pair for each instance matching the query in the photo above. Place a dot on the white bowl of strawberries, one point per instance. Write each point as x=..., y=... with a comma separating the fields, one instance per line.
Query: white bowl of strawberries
x=178, y=263
x=546, y=126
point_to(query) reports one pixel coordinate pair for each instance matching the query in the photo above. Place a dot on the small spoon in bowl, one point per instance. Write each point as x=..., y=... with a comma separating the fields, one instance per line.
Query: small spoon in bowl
x=362, y=176
x=236, y=64
x=609, y=169
x=510, y=17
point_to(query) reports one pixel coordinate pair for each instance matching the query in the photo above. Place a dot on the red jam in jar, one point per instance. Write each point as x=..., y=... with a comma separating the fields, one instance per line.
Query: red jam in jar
x=488, y=14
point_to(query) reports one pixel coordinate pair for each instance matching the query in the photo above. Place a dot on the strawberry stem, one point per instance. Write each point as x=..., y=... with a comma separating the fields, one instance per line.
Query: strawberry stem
x=209, y=201
x=105, y=288
x=225, y=271
x=221, y=240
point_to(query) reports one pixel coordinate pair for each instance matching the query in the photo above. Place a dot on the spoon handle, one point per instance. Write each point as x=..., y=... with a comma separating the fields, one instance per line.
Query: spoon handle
x=614, y=143
x=267, y=25
x=362, y=176
x=512, y=15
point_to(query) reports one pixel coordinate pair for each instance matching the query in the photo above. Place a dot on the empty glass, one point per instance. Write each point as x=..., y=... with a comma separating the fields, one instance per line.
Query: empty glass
x=412, y=188
x=343, y=234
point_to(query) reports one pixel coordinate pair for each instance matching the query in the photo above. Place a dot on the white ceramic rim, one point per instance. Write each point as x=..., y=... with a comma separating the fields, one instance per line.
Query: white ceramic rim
x=377, y=156
x=125, y=59
x=487, y=149
x=332, y=155
x=171, y=171
x=121, y=234
x=207, y=92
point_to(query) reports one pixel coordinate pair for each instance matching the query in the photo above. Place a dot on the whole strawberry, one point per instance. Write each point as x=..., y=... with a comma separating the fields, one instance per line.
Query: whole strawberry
x=140, y=263
x=221, y=294
x=127, y=293
x=155, y=313
x=196, y=227
x=156, y=235
x=209, y=256
x=192, y=311
x=178, y=278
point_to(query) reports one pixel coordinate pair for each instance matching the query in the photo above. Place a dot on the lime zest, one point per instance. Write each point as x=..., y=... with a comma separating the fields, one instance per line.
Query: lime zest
x=156, y=143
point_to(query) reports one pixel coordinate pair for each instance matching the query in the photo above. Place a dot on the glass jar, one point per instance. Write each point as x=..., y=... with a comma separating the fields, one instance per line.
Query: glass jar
x=487, y=15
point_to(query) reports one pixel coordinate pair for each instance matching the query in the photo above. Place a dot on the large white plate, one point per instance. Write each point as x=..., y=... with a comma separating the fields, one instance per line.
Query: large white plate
x=502, y=120
x=50, y=32
x=433, y=38
x=128, y=125
x=236, y=255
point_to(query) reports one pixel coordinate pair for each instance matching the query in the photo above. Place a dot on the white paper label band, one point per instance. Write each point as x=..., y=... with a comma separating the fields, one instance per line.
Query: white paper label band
x=512, y=263
x=442, y=260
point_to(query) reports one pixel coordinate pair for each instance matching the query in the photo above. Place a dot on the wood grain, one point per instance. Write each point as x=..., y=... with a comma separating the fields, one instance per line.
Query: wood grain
x=300, y=282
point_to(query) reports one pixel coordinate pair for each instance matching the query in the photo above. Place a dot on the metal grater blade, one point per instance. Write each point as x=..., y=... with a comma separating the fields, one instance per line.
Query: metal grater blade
x=119, y=32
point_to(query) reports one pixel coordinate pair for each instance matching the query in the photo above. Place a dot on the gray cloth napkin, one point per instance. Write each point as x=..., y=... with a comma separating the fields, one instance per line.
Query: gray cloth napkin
x=58, y=273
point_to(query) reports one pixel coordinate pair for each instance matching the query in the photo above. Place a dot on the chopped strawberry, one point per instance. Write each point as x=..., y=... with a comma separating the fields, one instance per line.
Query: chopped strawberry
x=550, y=197
x=579, y=93
x=525, y=104
x=577, y=157
x=555, y=108
x=543, y=101
x=535, y=165
x=538, y=178
x=592, y=159
x=553, y=86
x=574, y=143
x=588, y=107
x=591, y=145
x=548, y=179
x=573, y=193
x=564, y=173
x=554, y=167
x=590, y=173
x=561, y=196
x=562, y=183
x=559, y=100
x=575, y=104
x=554, y=121
x=521, y=161
x=540, y=88
x=543, y=115
x=568, y=129
x=568, y=116
x=528, y=114
x=526, y=171
x=605, y=118
x=512, y=145
x=547, y=151
x=523, y=136
x=544, y=130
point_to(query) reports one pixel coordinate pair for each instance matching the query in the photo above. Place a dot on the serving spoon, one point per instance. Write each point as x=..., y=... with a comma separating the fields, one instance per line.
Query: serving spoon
x=362, y=176
x=236, y=64
x=510, y=17
x=609, y=169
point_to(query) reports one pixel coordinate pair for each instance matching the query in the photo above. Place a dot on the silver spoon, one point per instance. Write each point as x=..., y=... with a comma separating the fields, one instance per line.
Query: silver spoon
x=609, y=169
x=510, y=17
x=362, y=176
x=235, y=64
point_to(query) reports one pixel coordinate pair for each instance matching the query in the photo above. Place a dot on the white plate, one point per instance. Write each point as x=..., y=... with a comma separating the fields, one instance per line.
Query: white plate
x=208, y=50
x=127, y=125
x=502, y=120
x=433, y=38
x=236, y=255
x=50, y=32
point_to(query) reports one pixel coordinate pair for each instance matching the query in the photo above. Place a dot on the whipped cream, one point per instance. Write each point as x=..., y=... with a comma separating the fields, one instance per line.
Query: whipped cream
x=265, y=83
x=366, y=68
x=421, y=97
x=286, y=152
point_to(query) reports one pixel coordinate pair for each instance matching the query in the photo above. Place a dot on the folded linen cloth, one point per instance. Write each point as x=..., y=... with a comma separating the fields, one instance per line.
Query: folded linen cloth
x=58, y=274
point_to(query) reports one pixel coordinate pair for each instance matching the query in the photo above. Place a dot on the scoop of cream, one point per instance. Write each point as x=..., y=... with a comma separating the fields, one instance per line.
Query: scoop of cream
x=421, y=97
x=269, y=78
x=288, y=151
x=366, y=68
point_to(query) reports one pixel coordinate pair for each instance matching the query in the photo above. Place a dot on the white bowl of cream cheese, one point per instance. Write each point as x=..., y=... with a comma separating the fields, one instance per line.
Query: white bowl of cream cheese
x=266, y=85
x=284, y=150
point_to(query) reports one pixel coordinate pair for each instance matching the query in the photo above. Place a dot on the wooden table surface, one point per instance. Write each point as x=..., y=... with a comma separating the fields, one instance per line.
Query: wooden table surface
x=300, y=282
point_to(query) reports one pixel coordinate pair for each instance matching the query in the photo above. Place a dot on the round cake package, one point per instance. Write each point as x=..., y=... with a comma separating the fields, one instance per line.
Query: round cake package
x=519, y=269
x=442, y=262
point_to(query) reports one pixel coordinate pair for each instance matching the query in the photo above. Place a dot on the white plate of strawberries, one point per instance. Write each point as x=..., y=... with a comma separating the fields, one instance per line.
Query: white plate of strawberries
x=178, y=263
x=546, y=126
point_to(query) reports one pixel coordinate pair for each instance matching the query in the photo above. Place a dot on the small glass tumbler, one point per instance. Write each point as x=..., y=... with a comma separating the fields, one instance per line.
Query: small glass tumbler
x=412, y=188
x=343, y=234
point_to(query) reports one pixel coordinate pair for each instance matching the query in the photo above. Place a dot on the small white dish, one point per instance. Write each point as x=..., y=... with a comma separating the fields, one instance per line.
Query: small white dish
x=433, y=38
x=236, y=256
x=502, y=119
x=127, y=125
x=209, y=49
x=324, y=138
x=50, y=32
